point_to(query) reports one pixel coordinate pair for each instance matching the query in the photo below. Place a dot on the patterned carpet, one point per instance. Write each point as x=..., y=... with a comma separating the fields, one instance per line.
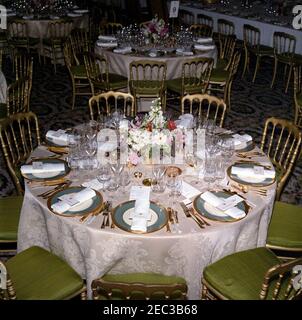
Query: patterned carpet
x=251, y=105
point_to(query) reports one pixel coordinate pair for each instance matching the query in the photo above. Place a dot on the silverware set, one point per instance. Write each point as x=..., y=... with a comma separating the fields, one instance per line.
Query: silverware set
x=107, y=216
x=173, y=221
x=246, y=189
x=60, y=186
x=190, y=213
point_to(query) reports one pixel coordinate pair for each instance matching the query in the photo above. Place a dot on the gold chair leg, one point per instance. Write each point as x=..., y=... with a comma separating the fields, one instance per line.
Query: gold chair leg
x=275, y=72
x=204, y=292
x=289, y=77
x=73, y=95
x=256, y=68
x=84, y=295
x=245, y=64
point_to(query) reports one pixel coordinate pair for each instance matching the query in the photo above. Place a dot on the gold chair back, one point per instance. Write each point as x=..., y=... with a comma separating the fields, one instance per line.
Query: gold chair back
x=227, y=45
x=148, y=79
x=110, y=28
x=204, y=19
x=280, y=281
x=17, y=97
x=80, y=43
x=251, y=36
x=97, y=71
x=19, y=135
x=225, y=27
x=201, y=30
x=59, y=30
x=281, y=141
x=284, y=44
x=298, y=95
x=105, y=102
x=127, y=291
x=196, y=74
x=208, y=107
x=186, y=17
x=18, y=29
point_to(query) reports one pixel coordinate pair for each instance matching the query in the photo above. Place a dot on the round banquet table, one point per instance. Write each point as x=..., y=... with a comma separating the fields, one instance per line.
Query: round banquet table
x=119, y=63
x=3, y=88
x=93, y=251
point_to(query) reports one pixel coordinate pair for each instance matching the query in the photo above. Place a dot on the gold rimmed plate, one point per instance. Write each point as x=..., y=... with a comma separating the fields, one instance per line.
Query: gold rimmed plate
x=90, y=206
x=208, y=211
x=121, y=217
x=48, y=176
x=249, y=181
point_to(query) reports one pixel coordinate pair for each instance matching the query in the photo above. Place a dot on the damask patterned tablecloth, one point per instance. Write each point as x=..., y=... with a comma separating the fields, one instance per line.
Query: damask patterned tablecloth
x=3, y=88
x=93, y=251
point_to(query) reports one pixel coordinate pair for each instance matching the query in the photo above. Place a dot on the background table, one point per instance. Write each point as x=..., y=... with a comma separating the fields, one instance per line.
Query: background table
x=93, y=252
x=267, y=29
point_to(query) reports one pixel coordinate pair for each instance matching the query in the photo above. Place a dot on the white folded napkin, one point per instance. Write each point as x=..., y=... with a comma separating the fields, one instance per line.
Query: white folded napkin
x=204, y=47
x=40, y=167
x=204, y=40
x=240, y=141
x=74, y=15
x=107, y=38
x=59, y=137
x=106, y=44
x=184, y=53
x=253, y=172
x=214, y=201
x=123, y=50
x=141, y=209
x=28, y=17
x=139, y=224
x=185, y=121
x=68, y=201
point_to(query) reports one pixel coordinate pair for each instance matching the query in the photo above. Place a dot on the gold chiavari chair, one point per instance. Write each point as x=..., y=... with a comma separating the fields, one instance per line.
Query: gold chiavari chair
x=209, y=107
x=252, y=36
x=201, y=30
x=281, y=142
x=227, y=44
x=195, y=77
x=24, y=69
x=204, y=19
x=221, y=81
x=298, y=95
x=80, y=43
x=255, y=274
x=37, y=274
x=186, y=18
x=148, y=79
x=110, y=28
x=139, y=286
x=19, y=37
x=225, y=27
x=58, y=32
x=100, y=79
x=77, y=72
x=103, y=103
x=19, y=135
x=284, y=52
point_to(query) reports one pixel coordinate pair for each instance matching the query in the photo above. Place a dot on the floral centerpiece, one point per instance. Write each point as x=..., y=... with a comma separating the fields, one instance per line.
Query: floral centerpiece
x=156, y=29
x=151, y=133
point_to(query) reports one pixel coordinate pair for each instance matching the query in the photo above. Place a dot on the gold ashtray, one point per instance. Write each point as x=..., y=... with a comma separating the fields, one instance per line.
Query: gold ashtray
x=172, y=171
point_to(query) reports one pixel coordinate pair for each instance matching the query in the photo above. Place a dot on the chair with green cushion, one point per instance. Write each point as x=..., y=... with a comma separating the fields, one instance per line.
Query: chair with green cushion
x=298, y=95
x=227, y=45
x=36, y=274
x=77, y=72
x=148, y=80
x=284, y=52
x=281, y=142
x=194, y=79
x=221, y=80
x=97, y=69
x=255, y=274
x=139, y=286
x=285, y=229
x=252, y=46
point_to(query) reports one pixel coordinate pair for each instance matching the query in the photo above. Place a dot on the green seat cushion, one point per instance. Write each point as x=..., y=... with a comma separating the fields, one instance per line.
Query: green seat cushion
x=239, y=276
x=3, y=110
x=285, y=229
x=10, y=208
x=298, y=59
x=40, y=275
x=221, y=64
x=148, y=87
x=79, y=71
x=219, y=75
x=175, y=85
x=117, y=81
x=262, y=50
x=143, y=278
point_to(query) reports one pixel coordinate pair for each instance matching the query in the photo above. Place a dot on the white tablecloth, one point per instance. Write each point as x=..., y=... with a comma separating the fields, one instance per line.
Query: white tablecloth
x=3, y=88
x=93, y=252
x=267, y=29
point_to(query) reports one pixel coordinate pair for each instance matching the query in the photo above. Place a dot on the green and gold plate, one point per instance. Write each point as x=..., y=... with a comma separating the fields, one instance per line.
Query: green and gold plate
x=121, y=214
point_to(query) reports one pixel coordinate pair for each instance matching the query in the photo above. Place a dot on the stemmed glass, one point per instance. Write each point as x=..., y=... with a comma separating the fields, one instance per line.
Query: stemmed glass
x=158, y=184
x=124, y=180
x=210, y=172
x=103, y=175
x=175, y=185
x=227, y=147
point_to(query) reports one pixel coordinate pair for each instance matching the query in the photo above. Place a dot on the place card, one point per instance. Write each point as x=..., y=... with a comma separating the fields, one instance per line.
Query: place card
x=37, y=165
x=188, y=191
x=69, y=199
x=230, y=202
x=259, y=170
x=139, y=192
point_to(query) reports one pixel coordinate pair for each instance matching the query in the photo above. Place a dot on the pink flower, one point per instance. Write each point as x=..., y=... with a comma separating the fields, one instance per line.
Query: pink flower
x=134, y=158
